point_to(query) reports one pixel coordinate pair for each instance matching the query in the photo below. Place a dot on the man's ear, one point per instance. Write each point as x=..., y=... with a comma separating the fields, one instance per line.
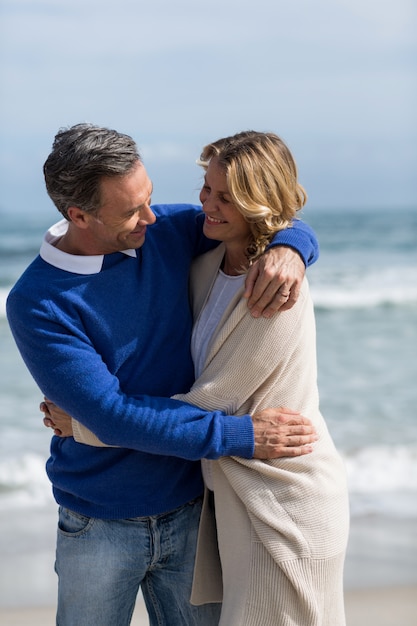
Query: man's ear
x=78, y=217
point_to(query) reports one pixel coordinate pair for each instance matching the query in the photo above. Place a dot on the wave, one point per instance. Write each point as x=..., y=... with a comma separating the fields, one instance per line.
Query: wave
x=3, y=297
x=382, y=468
x=363, y=287
x=362, y=298
x=382, y=480
x=24, y=483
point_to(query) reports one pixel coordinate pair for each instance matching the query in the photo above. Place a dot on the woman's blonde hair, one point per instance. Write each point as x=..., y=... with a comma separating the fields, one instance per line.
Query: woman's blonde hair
x=262, y=181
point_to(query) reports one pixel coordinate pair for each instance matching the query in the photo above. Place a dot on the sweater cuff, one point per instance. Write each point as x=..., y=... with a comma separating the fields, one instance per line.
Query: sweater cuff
x=238, y=437
x=301, y=238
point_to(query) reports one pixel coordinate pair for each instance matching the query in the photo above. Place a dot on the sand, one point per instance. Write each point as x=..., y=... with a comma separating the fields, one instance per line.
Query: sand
x=394, y=606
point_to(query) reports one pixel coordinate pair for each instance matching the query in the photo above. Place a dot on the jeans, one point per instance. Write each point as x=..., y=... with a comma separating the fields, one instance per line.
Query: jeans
x=102, y=563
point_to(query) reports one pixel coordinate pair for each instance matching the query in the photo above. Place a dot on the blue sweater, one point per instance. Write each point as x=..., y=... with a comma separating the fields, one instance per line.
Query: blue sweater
x=107, y=338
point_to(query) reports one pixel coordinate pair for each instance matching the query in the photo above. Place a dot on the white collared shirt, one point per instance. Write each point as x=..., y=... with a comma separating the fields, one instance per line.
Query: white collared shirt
x=77, y=264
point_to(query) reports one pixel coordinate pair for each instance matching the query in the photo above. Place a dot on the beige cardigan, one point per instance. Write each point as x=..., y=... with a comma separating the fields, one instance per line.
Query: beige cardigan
x=282, y=525
x=292, y=512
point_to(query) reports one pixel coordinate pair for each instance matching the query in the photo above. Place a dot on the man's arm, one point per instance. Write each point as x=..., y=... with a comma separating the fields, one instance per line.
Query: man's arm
x=277, y=432
x=72, y=374
x=69, y=371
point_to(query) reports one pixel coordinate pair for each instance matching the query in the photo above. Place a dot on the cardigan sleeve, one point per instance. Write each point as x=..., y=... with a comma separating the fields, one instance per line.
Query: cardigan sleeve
x=82, y=434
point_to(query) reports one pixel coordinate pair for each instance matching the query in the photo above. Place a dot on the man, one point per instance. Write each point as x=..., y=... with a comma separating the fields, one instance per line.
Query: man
x=103, y=324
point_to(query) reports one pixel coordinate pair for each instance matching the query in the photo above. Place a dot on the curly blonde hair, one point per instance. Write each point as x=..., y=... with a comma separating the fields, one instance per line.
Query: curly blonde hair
x=262, y=180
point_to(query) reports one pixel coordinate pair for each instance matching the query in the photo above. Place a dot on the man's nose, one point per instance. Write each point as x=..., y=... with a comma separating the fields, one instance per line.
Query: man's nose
x=146, y=215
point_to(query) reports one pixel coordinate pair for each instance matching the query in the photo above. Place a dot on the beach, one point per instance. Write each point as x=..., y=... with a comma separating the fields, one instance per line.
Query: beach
x=378, y=606
x=383, y=606
x=394, y=606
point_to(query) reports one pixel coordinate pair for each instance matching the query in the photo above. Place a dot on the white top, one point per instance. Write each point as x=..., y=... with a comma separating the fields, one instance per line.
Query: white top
x=224, y=289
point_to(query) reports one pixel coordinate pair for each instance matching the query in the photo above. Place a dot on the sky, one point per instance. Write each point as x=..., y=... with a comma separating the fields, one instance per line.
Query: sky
x=336, y=79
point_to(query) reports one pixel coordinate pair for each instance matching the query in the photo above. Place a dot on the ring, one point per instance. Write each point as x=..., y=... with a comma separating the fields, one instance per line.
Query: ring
x=284, y=295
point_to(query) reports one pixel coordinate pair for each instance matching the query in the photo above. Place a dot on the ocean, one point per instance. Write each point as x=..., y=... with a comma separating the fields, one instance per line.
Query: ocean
x=364, y=288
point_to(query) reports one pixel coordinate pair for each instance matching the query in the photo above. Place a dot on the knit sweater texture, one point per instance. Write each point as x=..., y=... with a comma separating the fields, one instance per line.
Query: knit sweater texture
x=107, y=339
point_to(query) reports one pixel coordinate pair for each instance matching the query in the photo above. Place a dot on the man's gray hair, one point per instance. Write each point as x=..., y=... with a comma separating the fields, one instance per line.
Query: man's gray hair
x=81, y=156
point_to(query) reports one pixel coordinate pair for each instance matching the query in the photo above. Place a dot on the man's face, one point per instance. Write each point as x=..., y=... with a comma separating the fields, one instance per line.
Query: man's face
x=124, y=213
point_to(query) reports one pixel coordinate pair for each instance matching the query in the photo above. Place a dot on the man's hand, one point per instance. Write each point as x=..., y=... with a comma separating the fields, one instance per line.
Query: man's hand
x=282, y=432
x=56, y=418
x=273, y=282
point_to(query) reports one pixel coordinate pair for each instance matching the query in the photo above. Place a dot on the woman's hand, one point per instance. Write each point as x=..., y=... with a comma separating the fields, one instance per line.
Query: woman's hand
x=56, y=418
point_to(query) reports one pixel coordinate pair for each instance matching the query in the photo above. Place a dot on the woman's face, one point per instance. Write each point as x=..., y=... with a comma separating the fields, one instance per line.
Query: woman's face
x=223, y=220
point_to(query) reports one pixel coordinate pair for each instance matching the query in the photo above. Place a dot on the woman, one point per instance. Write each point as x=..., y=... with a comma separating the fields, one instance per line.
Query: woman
x=282, y=525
